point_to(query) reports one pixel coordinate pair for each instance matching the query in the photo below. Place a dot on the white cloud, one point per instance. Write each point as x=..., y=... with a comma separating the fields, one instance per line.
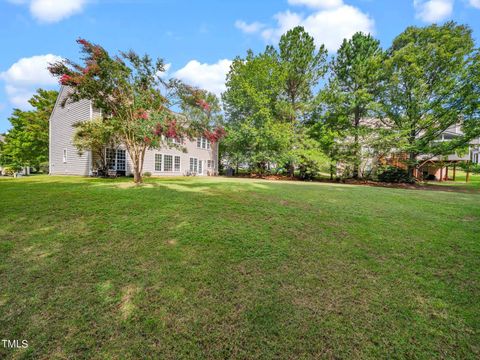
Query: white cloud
x=50, y=11
x=210, y=77
x=433, y=10
x=327, y=26
x=475, y=3
x=25, y=76
x=317, y=4
x=249, y=28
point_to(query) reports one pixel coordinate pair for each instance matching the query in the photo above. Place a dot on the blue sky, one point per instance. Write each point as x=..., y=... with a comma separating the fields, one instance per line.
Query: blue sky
x=197, y=38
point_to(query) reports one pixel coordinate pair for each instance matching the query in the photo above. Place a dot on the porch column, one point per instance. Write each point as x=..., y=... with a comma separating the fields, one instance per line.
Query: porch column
x=454, y=170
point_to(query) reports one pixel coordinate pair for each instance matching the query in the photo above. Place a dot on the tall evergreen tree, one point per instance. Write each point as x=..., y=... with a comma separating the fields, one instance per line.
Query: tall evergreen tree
x=351, y=95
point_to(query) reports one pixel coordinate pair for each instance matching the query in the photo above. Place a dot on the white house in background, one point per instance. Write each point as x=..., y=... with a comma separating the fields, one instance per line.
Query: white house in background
x=200, y=158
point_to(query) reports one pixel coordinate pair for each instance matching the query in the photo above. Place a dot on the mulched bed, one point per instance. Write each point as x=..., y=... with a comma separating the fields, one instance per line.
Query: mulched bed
x=415, y=186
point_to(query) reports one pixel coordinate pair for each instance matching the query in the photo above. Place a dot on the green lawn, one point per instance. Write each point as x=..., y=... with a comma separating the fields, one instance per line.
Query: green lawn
x=460, y=182
x=237, y=268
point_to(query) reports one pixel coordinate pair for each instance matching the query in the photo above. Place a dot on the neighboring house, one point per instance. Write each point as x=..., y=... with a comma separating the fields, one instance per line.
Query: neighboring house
x=444, y=167
x=200, y=158
x=475, y=153
x=430, y=167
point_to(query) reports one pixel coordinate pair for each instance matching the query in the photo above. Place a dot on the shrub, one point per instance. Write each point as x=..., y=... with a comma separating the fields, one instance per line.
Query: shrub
x=43, y=168
x=394, y=174
x=308, y=169
x=147, y=174
x=11, y=169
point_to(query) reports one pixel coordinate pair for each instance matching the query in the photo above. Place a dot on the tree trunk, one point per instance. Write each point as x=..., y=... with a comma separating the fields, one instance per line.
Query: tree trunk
x=291, y=169
x=137, y=167
x=356, y=145
x=412, y=157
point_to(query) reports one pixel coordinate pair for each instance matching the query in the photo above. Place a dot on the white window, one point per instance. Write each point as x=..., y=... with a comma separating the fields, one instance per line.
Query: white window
x=121, y=160
x=193, y=165
x=177, y=141
x=158, y=162
x=209, y=164
x=167, y=163
x=203, y=143
x=177, y=163
x=116, y=159
x=200, y=166
x=64, y=156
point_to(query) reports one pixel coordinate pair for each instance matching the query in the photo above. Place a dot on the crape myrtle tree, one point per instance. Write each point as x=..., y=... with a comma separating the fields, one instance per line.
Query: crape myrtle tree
x=351, y=97
x=133, y=98
x=26, y=143
x=429, y=88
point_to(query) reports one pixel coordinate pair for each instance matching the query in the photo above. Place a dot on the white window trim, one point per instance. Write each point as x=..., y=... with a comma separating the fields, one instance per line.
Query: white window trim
x=162, y=167
x=116, y=158
x=155, y=162
x=180, y=164
x=163, y=162
x=207, y=143
x=65, y=155
x=189, y=166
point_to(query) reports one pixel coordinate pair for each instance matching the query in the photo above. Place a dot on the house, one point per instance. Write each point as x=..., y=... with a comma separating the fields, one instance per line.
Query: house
x=429, y=167
x=444, y=167
x=200, y=158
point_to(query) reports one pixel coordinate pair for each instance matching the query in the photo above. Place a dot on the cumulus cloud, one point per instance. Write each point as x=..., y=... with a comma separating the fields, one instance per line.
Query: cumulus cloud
x=328, y=26
x=249, y=28
x=475, y=3
x=25, y=76
x=50, y=11
x=431, y=11
x=329, y=22
x=210, y=77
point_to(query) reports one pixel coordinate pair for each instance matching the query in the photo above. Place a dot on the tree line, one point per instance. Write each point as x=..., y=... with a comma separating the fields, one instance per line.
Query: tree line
x=293, y=108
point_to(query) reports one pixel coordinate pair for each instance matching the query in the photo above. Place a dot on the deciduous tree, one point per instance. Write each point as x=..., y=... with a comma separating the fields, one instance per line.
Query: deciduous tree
x=429, y=89
x=26, y=143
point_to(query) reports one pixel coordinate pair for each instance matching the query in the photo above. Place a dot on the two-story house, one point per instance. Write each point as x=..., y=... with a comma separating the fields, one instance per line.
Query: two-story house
x=200, y=158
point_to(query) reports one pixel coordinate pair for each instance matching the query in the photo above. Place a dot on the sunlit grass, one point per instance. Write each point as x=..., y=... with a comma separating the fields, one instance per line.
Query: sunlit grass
x=237, y=268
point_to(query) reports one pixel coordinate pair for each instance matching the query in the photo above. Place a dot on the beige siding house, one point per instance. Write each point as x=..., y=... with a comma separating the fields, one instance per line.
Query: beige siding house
x=200, y=158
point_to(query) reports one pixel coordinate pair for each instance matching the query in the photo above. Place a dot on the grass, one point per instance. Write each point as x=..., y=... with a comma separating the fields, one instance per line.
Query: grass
x=237, y=268
x=460, y=182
